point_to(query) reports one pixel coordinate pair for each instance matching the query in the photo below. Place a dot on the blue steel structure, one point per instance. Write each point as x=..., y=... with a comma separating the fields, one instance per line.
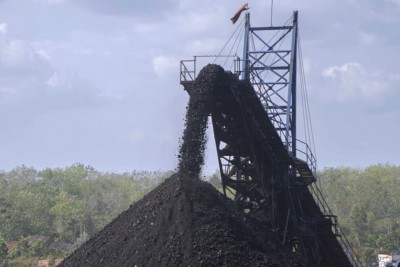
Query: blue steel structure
x=268, y=171
x=271, y=67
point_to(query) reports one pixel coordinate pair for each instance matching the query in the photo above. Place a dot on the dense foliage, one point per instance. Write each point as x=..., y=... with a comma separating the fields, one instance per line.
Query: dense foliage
x=367, y=202
x=49, y=213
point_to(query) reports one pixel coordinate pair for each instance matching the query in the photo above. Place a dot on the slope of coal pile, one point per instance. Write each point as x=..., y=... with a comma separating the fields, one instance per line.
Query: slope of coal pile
x=183, y=222
x=191, y=153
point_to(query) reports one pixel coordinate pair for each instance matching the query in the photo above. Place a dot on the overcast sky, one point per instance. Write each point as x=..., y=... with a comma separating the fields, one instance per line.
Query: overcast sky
x=97, y=81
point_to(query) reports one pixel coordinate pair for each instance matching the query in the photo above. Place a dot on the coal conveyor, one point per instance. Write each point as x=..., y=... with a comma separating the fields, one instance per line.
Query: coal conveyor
x=264, y=167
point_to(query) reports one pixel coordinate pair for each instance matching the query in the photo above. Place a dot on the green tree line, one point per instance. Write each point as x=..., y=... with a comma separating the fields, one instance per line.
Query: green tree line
x=49, y=213
x=367, y=202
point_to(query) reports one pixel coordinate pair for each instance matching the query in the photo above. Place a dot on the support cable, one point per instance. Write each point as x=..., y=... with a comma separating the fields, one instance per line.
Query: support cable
x=306, y=106
x=230, y=38
x=316, y=191
x=238, y=37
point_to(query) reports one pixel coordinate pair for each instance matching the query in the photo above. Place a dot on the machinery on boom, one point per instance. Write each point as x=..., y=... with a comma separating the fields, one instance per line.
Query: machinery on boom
x=267, y=170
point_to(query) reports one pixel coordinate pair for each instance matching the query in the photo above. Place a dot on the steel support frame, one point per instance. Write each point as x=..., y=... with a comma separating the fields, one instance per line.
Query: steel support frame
x=255, y=168
x=272, y=71
x=269, y=185
x=243, y=169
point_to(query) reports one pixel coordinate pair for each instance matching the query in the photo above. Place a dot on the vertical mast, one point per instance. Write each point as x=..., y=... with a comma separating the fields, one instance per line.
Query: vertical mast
x=291, y=103
x=246, y=60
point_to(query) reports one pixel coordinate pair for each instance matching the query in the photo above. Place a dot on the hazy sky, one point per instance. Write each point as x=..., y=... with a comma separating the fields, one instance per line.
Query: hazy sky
x=97, y=81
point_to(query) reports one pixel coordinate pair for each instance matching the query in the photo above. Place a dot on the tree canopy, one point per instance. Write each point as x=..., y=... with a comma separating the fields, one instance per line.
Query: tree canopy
x=367, y=202
x=54, y=210
x=49, y=213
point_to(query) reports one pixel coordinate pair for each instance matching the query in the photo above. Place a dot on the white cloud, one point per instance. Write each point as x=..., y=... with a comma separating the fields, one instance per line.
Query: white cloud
x=27, y=68
x=352, y=81
x=19, y=59
x=70, y=83
x=42, y=54
x=54, y=80
x=23, y=72
x=164, y=66
x=3, y=27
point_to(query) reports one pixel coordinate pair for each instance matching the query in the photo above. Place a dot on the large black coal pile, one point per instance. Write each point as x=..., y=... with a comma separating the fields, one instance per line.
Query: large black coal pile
x=184, y=221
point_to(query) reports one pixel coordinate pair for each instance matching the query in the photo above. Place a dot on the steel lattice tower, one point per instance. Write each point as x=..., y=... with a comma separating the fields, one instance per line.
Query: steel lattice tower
x=263, y=166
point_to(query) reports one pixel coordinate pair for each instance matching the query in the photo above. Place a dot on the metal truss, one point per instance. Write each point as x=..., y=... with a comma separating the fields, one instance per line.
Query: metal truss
x=269, y=63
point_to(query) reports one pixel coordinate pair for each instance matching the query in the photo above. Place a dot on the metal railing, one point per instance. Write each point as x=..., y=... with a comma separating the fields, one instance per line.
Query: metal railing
x=188, y=68
x=303, y=149
x=187, y=73
x=344, y=242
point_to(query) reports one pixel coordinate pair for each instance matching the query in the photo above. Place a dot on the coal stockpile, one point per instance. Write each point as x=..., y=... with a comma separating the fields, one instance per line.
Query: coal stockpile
x=185, y=221
x=191, y=153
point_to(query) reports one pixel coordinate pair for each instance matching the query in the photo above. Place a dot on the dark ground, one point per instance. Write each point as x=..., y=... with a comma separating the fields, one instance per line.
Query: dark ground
x=184, y=221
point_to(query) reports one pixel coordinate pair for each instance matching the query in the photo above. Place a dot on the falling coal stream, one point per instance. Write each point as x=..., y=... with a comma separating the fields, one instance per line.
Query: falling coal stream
x=191, y=153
